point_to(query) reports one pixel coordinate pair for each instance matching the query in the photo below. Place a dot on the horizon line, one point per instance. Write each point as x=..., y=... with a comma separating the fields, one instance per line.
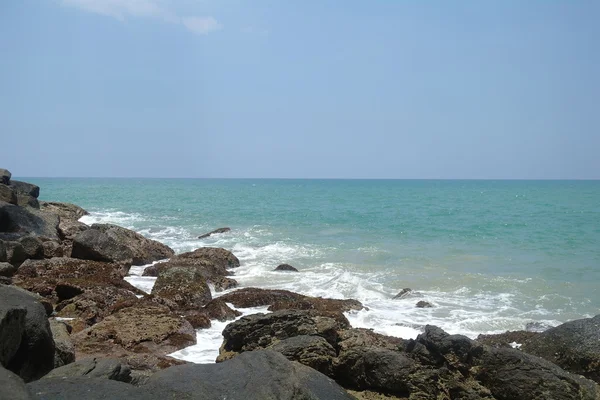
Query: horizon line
x=330, y=179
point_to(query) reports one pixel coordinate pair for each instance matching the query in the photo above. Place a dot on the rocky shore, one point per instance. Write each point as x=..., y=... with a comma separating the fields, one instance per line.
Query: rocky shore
x=71, y=327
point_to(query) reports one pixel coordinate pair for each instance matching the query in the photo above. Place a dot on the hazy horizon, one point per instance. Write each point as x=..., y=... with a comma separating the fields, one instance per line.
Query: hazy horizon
x=314, y=90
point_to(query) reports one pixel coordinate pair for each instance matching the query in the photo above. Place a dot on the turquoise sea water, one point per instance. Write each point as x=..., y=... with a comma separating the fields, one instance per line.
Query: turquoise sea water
x=490, y=255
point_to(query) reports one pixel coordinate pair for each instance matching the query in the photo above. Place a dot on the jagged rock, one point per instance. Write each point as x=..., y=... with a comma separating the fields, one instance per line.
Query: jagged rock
x=7, y=269
x=27, y=220
x=312, y=351
x=223, y=283
x=424, y=304
x=219, y=310
x=105, y=242
x=66, y=211
x=360, y=337
x=107, y=368
x=64, y=349
x=286, y=300
x=184, y=285
x=403, y=293
x=285, y=267
x=8, y=195
x=5, y=176
x=11, y=386
x=252, y=375
x=220, y=230
x=34, y=356
x=25, y=188
x=52, y=249
x=573, y=346
x=505, y=339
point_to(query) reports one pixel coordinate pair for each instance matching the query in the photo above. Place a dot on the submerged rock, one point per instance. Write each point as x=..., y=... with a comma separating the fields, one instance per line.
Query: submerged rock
x=423, y=304
x=111, y=243
x=285, y=267
x=216, y=231
x=403, y=293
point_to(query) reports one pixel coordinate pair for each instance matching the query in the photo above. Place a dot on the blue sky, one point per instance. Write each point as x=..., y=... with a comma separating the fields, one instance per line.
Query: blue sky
x=300, y=89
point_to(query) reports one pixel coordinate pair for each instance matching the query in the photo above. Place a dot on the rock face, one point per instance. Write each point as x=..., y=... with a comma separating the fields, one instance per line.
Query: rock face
x=32, y=354
x=184, y=285
x=26, y=220
x=111, y=243
x=253, y=375
x=8, y=195
x=64, y=349
x=25, y=188
x=12, y=387
x=285, y=267
x=574, y=346
x=220, y=230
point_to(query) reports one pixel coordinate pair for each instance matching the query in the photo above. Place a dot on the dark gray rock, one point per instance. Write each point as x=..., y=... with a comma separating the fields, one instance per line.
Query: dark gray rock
x=64, y=348
x=285, y=267
x=35, y=355
x=252, y=375
x=403, y=293
x=8, y=195
x=83, y=388
x=112, y=243
x=312, y=351
x=25, y=188
x=107, y=368
x=12, y=328
x=24, y=200
x=7, y=269
x=33, y=246
x=68, y=228
x=12, y=387
x=27, y=220
x=5, y=176
x=216, y=231
x=66, y=211
x=573, y=346
x=423, y=304
x=15, y=253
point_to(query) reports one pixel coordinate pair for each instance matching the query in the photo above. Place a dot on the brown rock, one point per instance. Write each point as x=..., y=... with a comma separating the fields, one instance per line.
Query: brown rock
x=184, y=285
x=219, y=310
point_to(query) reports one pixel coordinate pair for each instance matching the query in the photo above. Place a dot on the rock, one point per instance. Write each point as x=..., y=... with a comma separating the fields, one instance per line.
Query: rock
x=25, y=188
x=360, y=337
x=69, y=228
x=573, y=346
x=7, y=269
x=64, y=349
x=219, y=310
x=423, y=304
x=24, y=200
x=5, y=176
x=26, y=220
x=222, y=283
x=218, y=256
x=12, y=328
x=66, y=211
x=505, y=339
x=403, y=293
x=11, y=386
x=33, y=246
x=184, y=285
x=105, y=242
x=284, y=299
x=106, y=368
x=34, y=356
x=84, y=388
x=8, y=195
x=199, y=319
x=537, y=326
x=258, y=331
x=285, y=267
x=3, y=257
x=52, y=249
x=312, y=351
x=253, y=375
x=220, y=230
x=15, y=253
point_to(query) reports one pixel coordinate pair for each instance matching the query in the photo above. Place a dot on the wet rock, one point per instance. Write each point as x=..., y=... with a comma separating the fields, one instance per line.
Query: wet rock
x=5, y=176
x=574, y=346
x=11, y=386
x=111, y=243
x=218, y=256
x=403, y=293
x=66, y=211
x=222, y=283
x=199, y=319
x=64, y=349
x=423, y=304
x=8, y=195
x=537, y=326
x=26, y=220
x=283, y=299
x=25, y=188
x=184, y=285
x=106, y=368
x=285, y=267
x=216, y=231
x=505, y=339
x=312, y=351
x=237, y=380
x=34, y=356
x=7, y=269
x=219, y=310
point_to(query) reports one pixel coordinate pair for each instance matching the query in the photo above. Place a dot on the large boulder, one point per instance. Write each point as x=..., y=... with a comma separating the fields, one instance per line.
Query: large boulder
x=33, y=247
x=312, y=351
x=12, y=387
x=573, y=346
x=25, y=188
x=64, y=349
x=107, y=368
x=286, y=300
x=252, y=375
x=80, y=388
x=26, y=220
x=15, y=252
x=112, y=243
x=184, y=285
x=8, y=195
x=34, y=354
x=5, y=176
x=66, y=211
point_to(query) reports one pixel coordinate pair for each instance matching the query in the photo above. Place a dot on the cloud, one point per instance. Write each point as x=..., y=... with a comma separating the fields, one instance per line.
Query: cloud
x=122, y=9
x=201, y=25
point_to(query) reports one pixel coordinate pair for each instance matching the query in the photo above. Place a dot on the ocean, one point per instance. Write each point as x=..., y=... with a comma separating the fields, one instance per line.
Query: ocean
x=490, y=256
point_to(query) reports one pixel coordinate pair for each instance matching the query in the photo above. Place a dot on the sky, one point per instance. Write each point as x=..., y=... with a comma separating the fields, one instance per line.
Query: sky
x=300, y=89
